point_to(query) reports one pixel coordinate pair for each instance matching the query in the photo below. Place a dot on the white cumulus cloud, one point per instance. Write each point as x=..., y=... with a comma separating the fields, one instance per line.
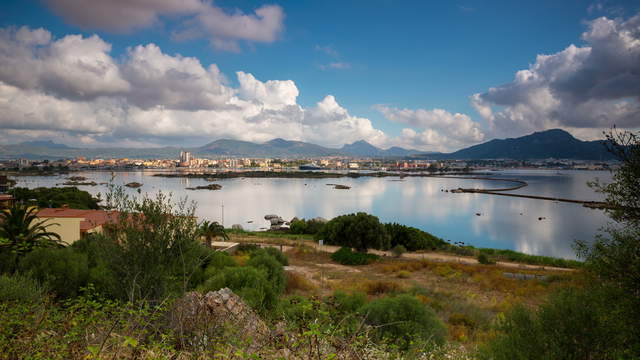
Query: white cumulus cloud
x=71, y=88
x=581, y=88
x=440, y=129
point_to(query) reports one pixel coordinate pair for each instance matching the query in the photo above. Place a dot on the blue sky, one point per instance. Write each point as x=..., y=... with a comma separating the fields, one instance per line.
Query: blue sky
x=398, y=72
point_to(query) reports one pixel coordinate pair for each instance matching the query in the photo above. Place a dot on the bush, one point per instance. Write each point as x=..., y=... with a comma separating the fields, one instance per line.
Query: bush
x=271, y=268
x=360, y=231
x=572, y=324
x=379, y=287
x=484, y=259
x=248, y=282
x=403, y=319
x=20, y=288
x=299, y=310
x=349, y=303
x=270, y=250
x=247, y=248
x=8, y=261
x=346, y=256
x=219, y=260
x=63, y=271
x=398, y=250
x=411, y=238
x=155, y=250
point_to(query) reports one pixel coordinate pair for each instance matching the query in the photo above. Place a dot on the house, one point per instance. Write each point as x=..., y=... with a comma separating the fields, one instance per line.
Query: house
x=73, y=224
x=6, y=201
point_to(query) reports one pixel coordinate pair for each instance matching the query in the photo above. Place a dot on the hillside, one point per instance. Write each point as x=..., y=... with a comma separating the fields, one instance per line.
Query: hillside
x=554, y=143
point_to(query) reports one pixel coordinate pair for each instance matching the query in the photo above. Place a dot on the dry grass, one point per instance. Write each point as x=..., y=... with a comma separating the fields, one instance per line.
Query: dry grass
x=467, y=297
x=298, y=283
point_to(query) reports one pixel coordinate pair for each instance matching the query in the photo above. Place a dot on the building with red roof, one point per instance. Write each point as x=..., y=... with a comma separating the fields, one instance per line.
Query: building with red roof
x=73, y=224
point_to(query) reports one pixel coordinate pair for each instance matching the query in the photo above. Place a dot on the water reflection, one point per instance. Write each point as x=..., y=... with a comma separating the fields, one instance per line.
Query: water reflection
x=504, y=222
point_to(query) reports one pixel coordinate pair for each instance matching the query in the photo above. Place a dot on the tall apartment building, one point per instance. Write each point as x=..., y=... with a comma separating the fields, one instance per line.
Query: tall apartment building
x=185, y=158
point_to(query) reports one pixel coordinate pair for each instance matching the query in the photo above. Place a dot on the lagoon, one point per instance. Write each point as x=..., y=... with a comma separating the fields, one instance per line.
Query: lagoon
x=481, y=220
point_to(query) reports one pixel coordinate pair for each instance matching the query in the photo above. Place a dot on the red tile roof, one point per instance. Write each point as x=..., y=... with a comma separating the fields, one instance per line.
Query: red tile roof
x=91, y=218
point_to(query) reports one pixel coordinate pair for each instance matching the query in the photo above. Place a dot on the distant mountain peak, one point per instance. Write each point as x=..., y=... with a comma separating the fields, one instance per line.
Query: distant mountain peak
x=44, y=143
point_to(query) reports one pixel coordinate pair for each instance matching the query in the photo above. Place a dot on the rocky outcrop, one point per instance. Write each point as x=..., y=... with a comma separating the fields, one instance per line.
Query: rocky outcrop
x=277, y=222
x=205, y=319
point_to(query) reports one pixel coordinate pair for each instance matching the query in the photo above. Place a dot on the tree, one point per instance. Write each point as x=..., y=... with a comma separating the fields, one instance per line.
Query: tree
x=154, y=247
x=211, y=230
x=21, y=231
x=360, y=231
x=56, y=197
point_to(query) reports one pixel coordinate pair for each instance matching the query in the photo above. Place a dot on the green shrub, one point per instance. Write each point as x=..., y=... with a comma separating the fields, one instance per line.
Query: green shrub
x=346, y=256
x=484, y=259
x=403, y=319
x=572, y=324
x=247, y=248
x=398, y=250
x=20, y=288
x=349, y=303
x=514, y=256
x=63, y=271
x=272, y=268
x=270, y=250
x=219, y=260
x=299, y=310
x=248, y=282
x=8, y=261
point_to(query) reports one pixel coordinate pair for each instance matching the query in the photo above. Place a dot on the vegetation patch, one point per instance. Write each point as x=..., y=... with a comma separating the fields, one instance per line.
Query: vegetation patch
x=346, y=256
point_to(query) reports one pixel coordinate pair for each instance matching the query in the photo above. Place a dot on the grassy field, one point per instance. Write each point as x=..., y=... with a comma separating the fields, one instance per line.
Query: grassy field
x=467, y=297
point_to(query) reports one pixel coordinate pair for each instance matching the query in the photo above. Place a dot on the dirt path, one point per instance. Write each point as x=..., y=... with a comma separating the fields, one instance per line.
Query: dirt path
x=434, y=256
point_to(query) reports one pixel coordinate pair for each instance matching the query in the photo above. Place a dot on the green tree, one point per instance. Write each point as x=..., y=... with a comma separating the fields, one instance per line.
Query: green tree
x=411, y=238
x=212, y=230
x=360, y=231
x=56, y=197
x=21, y=231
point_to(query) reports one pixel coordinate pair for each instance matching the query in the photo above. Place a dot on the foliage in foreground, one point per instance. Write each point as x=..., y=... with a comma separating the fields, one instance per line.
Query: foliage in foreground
x=572, y=324
x=601, y=320
x=403, y=319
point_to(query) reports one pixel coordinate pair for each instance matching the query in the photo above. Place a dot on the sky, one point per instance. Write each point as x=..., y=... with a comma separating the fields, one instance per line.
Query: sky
x=426, y=75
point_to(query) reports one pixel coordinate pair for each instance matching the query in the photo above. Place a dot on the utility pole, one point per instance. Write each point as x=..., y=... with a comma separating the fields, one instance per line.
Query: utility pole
x=222, y=214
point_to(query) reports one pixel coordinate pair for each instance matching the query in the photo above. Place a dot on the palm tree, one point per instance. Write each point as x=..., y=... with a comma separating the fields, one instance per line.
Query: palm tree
x=21, y=231
x=211, y=230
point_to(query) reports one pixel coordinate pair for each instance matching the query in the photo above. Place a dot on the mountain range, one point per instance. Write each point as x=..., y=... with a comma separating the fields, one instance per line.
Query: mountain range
x=553, y=143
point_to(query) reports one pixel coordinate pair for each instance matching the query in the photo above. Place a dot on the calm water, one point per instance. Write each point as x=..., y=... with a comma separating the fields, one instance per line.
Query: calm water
x=504, y=222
